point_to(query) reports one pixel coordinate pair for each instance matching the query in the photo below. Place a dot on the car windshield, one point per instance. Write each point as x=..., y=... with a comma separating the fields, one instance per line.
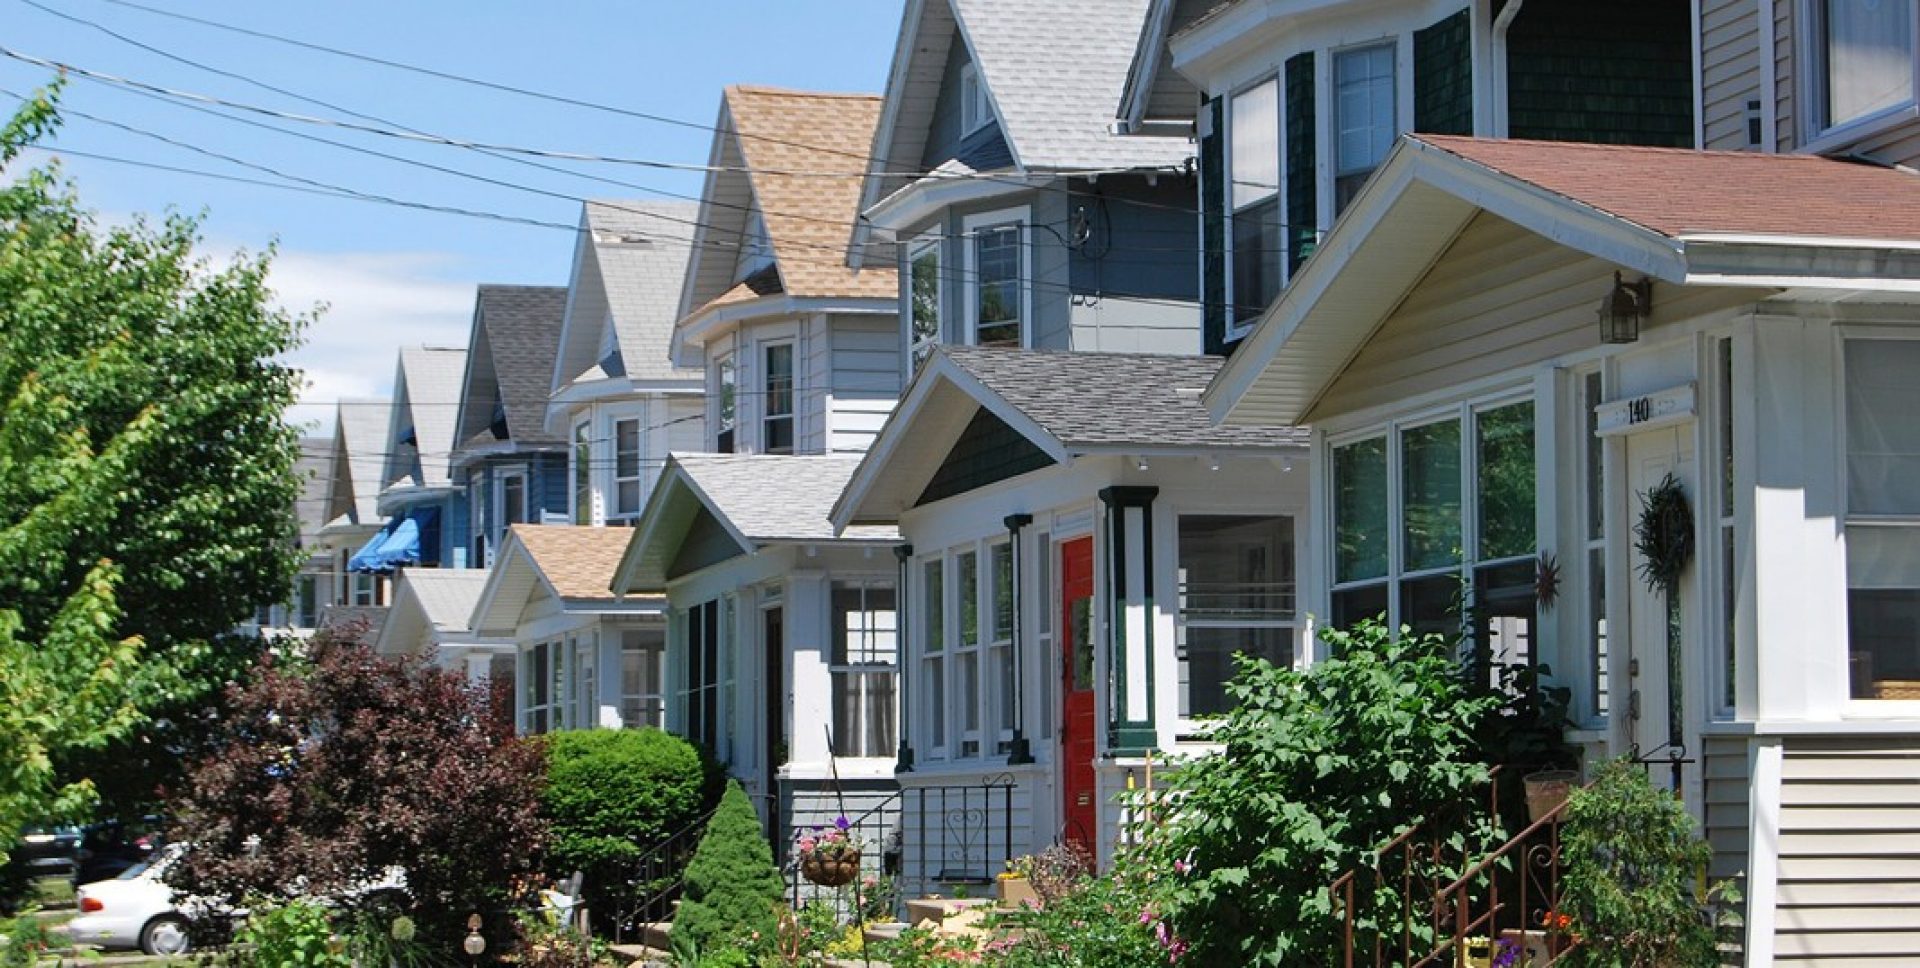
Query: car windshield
x=135, y=871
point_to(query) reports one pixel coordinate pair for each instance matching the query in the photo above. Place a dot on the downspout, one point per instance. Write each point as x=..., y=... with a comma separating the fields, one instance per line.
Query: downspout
x=1501, y=23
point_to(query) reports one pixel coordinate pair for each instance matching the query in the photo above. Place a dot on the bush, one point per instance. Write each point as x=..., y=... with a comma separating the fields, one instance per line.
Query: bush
x=1098, y=922
x=293, y=934
x=733, y=890
x=611, y=794
x=1633, y=875
x=1318, y=768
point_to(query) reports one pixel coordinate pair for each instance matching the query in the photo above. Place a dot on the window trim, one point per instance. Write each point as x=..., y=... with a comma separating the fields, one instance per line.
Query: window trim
x=613, y=511
x=498, y=498
x=1186, y=728
x=726, y=407
x=841, y=674
x=1400, y=44
x=1020, y=216
x=1817, y=136
x=976, y=105
x=1235, y=329
x=580, y=475
x=633, y=641
x=1842, y=333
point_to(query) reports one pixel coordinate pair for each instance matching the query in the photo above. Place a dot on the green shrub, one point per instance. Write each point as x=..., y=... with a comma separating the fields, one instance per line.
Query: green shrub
x=611, y=794
x=296, y=934
x=1633, y=876
x=1318, y=768
x=733, y=890
x=1097, y=922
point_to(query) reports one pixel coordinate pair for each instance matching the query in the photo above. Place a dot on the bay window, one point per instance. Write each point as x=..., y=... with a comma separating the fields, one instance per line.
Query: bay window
x=923, y=300
x=865, y=664
x=776, y=384
x=1236, y=589
x=1883, y=517
x=1864, y=53
x=626, y=469
x=1364, y=121
x=1254, y=160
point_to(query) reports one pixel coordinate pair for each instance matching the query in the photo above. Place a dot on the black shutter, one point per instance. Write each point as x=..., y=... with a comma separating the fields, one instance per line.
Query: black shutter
x=1443, y=77
x=1213, y=230
x=1302, y=192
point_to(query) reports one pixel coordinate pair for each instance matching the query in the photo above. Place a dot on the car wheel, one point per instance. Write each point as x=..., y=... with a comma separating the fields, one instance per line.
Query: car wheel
x=166, y=935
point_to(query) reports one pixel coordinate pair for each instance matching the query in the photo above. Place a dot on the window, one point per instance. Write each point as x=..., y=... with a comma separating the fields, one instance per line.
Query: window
x=582, y=474
x=1236, y=596
x=777, y=423
x=643, y=679
x=365, y=589
x=477, y=518
x=1729, y=585
x=997, y=301
x=1000, y=641
x=586, y=688
x=1040, y=721
x=1594, y=546
x=306, y=603
x=1254, y=159
x=975, y=109
x=726, y=402
x=933, y=637
x=543, y=688
x=1464, y=511
x=923, y=298
x=865, y=680
x=1883, y=507
x=966, y=653
x=1364, y=125
x=707, y=678
x=1866, y=54
x=511, y=495
x=626, y=468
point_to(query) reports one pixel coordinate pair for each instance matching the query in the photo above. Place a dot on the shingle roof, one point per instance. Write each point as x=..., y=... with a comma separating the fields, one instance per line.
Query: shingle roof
x=1681, y=191
x=1056, y=71
x=433, y=376
x=642, y=250
x=314, y=470
x=809, y=219
x=363, y=441
x=578, y=561
x=1114, y=399
x=447, y=596
x=771, y=498
x=515, y=340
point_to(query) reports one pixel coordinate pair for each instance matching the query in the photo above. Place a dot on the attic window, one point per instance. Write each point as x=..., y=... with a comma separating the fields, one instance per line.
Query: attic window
x=975, y=110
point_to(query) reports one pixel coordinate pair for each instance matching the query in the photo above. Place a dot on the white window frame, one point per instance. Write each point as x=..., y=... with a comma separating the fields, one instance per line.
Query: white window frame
x=1843, y=333
x=726, y=407
x=1022, y=217
x=878, y=626
x=616, y=512
x=976, y=107
x=1595, y=629
x=933, y=668
x=763, y=349
x=931, y=242
x=1236, y=329
x=997, y=646
x=1817, y=135
x=1400, y=46
x=580, y=475
x=1185, y=725
x=545, y=661
x=582, y=647
x=650, y=706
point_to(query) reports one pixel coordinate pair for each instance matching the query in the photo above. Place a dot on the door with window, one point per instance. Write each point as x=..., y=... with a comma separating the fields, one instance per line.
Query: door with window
x=1078, y=797
x=1664, y=728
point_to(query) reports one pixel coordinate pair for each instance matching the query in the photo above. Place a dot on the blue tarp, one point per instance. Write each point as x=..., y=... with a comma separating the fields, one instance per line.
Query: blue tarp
x=396, y=544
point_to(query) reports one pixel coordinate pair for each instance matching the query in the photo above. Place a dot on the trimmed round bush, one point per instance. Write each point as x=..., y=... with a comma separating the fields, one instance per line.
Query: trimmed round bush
x=612, y=794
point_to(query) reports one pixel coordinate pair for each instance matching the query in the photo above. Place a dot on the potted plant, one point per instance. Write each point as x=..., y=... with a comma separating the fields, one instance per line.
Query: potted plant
x=1015, y=884
x=830, y=856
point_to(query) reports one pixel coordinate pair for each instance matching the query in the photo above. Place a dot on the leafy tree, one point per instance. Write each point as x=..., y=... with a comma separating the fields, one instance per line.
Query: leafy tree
x=145, y=476
x=1318, y=768
x=340, y=767
x=733, y=889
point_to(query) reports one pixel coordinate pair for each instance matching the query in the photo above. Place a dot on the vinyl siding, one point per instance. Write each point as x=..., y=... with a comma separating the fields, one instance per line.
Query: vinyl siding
x=1500, y=298
x=1849, y=875
x=1786, y=125
x=977, y=841
x=813, y=376
x=864, y=380
x=1729, y=70
x=1729, y=784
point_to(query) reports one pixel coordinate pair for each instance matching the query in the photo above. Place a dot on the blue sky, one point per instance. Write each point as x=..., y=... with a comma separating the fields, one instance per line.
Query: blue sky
x=393, y=276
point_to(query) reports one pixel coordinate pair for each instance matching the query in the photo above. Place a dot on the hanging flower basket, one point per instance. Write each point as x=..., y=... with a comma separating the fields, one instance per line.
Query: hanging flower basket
x=836, y=871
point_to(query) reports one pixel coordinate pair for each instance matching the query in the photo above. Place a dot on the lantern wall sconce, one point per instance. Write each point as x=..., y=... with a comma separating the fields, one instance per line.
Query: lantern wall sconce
x=1627, y=303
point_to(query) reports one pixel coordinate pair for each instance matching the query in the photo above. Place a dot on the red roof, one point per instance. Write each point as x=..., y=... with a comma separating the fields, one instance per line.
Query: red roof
x=1680, y=191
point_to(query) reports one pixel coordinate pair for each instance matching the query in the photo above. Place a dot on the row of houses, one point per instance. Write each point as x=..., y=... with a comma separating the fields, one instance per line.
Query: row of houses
x=934, y=465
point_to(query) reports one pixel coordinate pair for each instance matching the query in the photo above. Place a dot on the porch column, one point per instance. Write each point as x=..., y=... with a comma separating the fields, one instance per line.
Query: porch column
x=1130, y=705
x=1019, y=751
x=903, y=634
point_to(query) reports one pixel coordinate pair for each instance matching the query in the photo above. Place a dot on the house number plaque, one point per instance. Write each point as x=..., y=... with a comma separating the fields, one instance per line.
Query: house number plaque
x=1662, y=408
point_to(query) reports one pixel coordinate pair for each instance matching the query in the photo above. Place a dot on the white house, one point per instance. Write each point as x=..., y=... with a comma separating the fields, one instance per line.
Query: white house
x=431, y=615
x=1445, y=345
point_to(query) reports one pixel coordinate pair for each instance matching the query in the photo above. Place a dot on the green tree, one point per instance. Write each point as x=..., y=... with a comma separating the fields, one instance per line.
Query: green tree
x=146, y=480
x=733, y=889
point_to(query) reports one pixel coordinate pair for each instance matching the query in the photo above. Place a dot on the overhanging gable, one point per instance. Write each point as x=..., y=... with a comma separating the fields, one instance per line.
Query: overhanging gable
x=987, y=452
x=678, y=519
x=707, y=541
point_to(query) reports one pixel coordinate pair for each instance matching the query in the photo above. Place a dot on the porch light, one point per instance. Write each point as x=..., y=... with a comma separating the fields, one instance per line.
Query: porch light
x=1623, y=309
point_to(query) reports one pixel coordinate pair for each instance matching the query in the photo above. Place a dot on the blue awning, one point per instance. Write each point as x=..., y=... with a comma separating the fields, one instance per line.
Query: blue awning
x=396, y=544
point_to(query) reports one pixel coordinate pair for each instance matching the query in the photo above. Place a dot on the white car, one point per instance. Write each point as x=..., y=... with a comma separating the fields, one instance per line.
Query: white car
x=133, y=910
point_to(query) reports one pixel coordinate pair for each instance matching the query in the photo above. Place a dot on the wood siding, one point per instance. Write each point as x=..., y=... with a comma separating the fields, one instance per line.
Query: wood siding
x=1849, y=879
x=1501, y=298
x=1729, y=71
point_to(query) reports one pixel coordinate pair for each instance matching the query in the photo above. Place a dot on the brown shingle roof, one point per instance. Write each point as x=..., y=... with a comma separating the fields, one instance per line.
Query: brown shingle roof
x=1680, y=191
x=809, y=219
x=579, y=562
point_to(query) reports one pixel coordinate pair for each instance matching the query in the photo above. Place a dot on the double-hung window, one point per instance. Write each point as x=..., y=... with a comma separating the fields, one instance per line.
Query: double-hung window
x=966, y=653
x=1594, y=547
x=543, y=677
x=510, y=501
x=933, y=650
x=725, y=402
x=1865, y=54
x=776, y=424
x=1236, y=597
x=1364, y=122
x=626, y=468
x=582, y=473
x=997, y=267
x=1254, y=160
x=643, y=665
x=865, y=664
x=923, y=300
x=1000, y=622
x=1883, y=517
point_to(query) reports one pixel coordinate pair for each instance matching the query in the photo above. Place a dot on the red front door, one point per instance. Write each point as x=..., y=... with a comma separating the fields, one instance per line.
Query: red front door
x=1076, y=688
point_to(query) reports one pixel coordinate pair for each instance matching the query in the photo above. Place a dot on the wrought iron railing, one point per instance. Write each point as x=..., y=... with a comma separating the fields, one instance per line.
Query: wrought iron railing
x=922, y=840
x=659, y=875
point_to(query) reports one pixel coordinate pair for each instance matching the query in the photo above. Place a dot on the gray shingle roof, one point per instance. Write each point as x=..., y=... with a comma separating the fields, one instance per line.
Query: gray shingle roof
x=314, y=469
x=516, y=336
x=1102, y=400
x=770, y=498
x=640, y=280
x=447, y=596
x=1056, y=70
x=432, y=375
x=363, y=440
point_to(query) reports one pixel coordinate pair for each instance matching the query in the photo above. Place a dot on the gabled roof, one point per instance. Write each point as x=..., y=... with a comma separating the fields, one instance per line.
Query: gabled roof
x=1684, y=217
x=806, y=151
x=430, y=603
x=426, y=394
x=630, y=261
x=359, y=455
x=1067, y=404
x=757, y=500
x=1153, y=90
x=515, y=336
x=571, y=563
x=314, y=470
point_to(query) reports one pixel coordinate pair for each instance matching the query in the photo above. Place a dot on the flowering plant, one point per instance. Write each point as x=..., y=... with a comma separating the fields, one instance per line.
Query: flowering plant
x=834, y=842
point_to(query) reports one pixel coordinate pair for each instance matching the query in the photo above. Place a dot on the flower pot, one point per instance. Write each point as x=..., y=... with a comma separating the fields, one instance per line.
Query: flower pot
x=1017, y=892
x=832, y=871
x=1531, y=945
x=1546, y=791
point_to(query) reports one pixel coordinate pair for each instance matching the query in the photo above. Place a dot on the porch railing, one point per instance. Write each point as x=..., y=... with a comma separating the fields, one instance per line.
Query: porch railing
x=928, y=839
x=659, y=875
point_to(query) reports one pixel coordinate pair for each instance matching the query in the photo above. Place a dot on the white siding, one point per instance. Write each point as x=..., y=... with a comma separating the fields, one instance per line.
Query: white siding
x=975, y=842
x=1729, y=786
x=1849, y=881
x=1783, y=84
x=864, y=379
x=1729, y=70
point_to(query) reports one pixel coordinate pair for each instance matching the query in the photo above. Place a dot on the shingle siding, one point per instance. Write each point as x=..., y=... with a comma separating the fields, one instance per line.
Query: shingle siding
x=1616, y=73
x=987, y=452
x=1443, y=76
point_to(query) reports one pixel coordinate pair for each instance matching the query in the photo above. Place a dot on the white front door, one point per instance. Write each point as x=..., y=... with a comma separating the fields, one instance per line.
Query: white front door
x=1662, y=676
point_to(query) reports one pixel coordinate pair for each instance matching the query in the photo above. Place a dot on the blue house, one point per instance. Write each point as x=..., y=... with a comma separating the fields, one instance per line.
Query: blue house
x=425, y=517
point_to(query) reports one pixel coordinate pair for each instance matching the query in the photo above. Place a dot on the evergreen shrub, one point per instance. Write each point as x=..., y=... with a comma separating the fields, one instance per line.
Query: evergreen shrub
x=733, y=890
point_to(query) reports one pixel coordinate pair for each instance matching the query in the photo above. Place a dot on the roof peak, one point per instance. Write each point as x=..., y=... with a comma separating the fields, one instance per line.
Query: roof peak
x=767, y=90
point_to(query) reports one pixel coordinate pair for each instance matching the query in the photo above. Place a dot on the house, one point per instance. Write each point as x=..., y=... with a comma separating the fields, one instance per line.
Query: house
x=432, y=615
x=1084, y=551
x=1294, y=103
x=514, y=469
x=1505, y=348
x=312, y=587
x=426, y=509
x=353, y=515
x=586, y=658
x=1017, y=216
x=784, y=639
x=798, y=348
x=615, y=395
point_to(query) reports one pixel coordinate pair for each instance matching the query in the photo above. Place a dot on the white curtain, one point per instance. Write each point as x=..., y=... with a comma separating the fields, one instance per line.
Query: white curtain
x=1255, y=139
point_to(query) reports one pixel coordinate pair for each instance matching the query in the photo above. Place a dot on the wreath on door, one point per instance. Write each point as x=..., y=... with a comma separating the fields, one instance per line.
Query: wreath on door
x=1664, y=535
